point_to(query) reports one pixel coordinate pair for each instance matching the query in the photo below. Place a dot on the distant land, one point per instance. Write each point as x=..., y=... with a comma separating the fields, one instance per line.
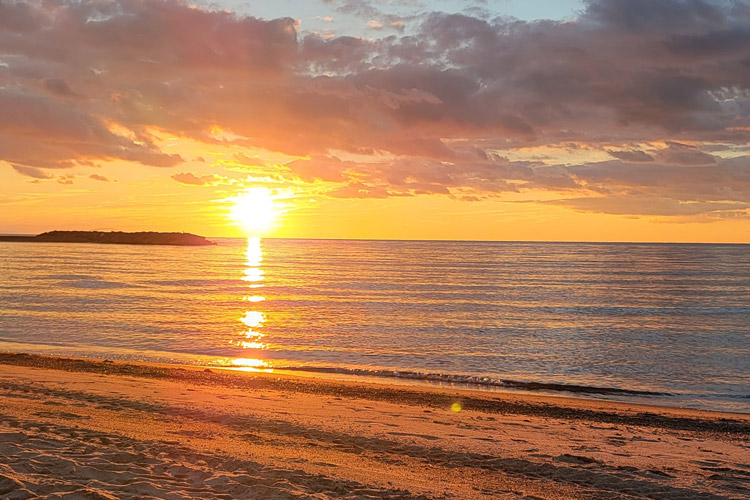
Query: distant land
x=114, y=237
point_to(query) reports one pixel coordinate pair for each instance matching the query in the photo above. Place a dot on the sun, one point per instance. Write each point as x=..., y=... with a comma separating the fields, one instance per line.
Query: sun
x=255, y=210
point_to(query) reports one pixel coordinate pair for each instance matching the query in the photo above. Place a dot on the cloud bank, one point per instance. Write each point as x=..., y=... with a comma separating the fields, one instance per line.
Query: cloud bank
x=662, y=88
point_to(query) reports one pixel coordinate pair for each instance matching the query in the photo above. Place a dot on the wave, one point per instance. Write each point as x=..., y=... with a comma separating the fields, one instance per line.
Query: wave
x=472, y=380
x=95, y=284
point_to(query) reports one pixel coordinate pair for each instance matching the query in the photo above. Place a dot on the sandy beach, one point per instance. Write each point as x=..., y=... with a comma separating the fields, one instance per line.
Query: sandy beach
x=100, y=429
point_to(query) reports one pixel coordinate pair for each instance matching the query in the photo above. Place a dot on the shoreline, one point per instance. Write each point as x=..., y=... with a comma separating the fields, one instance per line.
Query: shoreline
x=82, y=428
x=642, y=396
x=520, y=403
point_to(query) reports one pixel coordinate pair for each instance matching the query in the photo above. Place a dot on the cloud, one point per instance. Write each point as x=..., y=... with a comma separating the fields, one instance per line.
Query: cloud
x=359, y=190
x=323, y=168
x=367, y=9
x=128, y=62
x=651, y=206
x=28, y=122
x=98, y=177
x=634, y=156
x=31, y=172
x=58, y=87
x=685, y=154
x=193, y=180
x=429, y=110
x=620, y=188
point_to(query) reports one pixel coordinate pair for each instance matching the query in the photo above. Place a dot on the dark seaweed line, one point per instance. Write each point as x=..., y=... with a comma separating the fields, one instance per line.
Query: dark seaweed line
x=474, y=380
x=724, y=426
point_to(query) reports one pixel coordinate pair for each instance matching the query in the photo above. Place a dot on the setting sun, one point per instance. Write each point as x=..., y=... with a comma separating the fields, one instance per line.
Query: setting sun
x=255, y=210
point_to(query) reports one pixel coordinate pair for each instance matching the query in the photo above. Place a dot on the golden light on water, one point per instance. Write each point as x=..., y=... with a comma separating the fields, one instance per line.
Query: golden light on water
x=249, y=362
x=253, y=275
x=253, y=253
x=250, y=365
x=252, y=320
x=255, y=210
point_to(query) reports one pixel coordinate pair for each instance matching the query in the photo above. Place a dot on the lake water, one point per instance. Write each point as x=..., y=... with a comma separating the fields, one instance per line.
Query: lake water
x=666, y=324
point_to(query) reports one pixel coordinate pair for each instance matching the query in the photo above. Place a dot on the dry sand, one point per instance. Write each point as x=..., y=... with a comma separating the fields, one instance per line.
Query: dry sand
x=90, y=429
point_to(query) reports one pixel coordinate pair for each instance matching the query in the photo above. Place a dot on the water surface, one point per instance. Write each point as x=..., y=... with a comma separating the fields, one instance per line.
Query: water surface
x=611, y=320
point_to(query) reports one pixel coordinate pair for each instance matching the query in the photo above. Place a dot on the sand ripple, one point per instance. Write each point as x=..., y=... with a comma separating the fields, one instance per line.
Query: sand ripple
x=93, y=436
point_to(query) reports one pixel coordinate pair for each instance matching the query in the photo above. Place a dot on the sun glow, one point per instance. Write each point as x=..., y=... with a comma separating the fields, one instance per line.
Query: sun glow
x=255, y=210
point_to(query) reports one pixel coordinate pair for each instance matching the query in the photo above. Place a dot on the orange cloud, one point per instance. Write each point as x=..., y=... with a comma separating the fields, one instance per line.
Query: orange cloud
x=193, y=180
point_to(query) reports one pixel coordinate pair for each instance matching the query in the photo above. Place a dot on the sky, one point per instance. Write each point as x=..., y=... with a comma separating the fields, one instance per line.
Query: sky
x=593, y=120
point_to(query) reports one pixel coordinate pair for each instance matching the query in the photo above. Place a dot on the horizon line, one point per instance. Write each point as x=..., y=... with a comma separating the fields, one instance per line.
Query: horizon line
x=426, y=240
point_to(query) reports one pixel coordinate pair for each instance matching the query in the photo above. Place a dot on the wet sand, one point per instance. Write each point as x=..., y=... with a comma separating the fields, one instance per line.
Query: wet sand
x=99, y=429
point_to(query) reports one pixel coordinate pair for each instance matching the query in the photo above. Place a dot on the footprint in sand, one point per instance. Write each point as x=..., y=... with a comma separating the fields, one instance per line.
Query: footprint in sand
x=576, y=459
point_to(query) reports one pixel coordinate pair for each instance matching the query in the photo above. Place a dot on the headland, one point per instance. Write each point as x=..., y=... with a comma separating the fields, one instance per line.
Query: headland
x=113, y=237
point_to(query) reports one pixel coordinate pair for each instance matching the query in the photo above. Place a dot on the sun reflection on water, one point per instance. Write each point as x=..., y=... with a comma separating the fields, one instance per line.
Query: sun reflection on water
x=254, y=252
x=252, y=320
x=254, y=275
x=250, y=365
